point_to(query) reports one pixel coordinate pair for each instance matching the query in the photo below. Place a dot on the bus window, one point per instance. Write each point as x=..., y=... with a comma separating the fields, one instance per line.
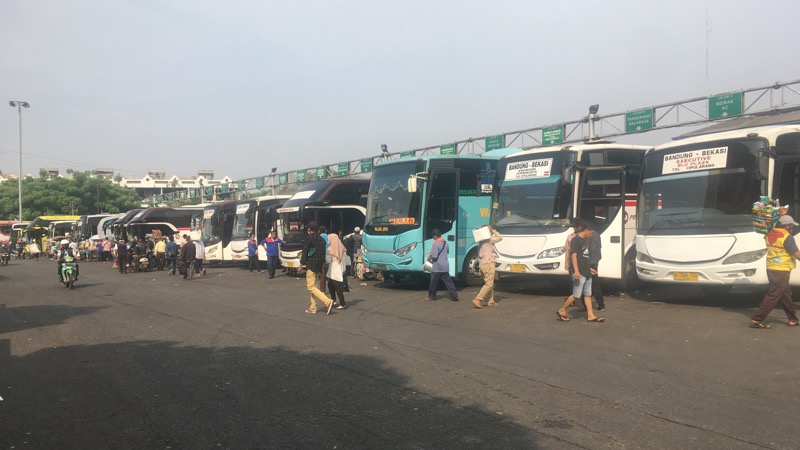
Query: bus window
x=442, y=202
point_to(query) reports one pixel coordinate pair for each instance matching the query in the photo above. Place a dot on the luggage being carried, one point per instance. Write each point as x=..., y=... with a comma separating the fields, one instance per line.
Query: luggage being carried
x=181, y=267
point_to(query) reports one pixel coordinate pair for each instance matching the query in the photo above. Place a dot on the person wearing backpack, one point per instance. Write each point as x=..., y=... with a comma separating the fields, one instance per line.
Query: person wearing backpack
x=313, y=259
x=440, y=269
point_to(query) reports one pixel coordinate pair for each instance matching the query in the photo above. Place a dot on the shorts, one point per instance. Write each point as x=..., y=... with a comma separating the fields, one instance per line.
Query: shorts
x=582, y=286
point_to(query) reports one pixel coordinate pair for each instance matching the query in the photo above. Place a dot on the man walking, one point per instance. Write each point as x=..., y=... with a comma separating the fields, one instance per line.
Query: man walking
x=488, y=257
x=582, y=276
x=441, y=268
x=199, y=256
x=781, y=254
x=188, y=252
x=313, y=258
x=171, y=252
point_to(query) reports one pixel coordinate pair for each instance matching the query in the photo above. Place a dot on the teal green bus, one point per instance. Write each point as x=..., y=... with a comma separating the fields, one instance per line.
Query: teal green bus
x=410, y=197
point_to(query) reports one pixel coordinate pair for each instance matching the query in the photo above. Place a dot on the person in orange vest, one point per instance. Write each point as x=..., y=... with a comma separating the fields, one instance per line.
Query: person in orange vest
x=781, y=254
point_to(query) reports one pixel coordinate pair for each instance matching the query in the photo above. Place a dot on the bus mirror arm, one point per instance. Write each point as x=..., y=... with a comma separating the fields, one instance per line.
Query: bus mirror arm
x=412, y=181
x=763, y=164
x=566, y=174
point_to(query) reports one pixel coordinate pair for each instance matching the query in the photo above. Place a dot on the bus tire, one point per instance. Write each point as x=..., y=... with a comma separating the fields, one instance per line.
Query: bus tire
x=630, y=281
x=472, y=275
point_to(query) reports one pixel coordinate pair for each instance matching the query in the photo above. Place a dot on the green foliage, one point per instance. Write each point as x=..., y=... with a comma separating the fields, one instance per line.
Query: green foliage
x=81, y=194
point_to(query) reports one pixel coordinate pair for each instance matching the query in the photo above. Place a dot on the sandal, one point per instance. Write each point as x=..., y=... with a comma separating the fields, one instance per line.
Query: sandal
x=760, y=325
x=597, y=319
x=562, y=317
x=477, y=303
x=492, y=303
x=793, y=323
x=310, y=311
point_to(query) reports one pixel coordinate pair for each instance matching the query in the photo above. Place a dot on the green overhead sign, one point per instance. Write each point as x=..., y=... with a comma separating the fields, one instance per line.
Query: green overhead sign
x=343, y=169
x=283, y=178
x=641, y=120
x=449, y=149
x=495, y=142
x=366, y=165
x=321, y=173
x=259, y=183
x=301, y=176
x=725, y=105
x=409, y=154
x=553, y=135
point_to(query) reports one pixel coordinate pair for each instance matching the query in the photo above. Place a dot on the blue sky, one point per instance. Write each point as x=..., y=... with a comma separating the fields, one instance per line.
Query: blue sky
x=243, y=86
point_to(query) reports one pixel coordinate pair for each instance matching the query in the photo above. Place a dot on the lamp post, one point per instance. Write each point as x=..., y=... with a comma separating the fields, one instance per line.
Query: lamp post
x=19, y=105
x=272, y=179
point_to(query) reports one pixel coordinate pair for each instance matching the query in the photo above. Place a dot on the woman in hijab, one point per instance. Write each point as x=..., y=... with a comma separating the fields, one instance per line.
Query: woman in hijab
x=335, y=258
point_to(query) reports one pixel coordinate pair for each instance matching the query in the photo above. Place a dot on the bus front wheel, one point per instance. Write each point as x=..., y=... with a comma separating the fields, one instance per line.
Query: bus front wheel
x=472, y=274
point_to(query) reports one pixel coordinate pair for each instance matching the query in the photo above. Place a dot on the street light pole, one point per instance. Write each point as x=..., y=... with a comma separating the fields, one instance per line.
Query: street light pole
x=19, y=105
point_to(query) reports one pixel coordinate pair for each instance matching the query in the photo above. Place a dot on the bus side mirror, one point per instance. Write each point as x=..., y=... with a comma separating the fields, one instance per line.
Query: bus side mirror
x=567, y=174
x=412, y=184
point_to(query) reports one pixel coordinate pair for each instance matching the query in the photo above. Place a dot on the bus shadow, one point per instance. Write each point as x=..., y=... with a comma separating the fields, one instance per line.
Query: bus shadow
x=736, y=299
x=159, y=394
x=18, y=318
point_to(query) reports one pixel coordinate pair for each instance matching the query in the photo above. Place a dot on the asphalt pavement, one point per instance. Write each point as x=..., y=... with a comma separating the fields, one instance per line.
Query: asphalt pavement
x=231, y=360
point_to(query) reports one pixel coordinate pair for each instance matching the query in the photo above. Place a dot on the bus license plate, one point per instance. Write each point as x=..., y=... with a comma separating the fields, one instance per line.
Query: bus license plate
x=381, y=266
x=516, y=267
x=289, y=264
x=685, y=276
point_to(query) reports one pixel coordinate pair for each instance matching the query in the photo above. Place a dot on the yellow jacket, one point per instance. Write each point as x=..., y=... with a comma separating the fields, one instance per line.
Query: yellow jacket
x=777, y=256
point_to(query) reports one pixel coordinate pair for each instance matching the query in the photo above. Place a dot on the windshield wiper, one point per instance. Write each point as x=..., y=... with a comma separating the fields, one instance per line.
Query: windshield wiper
x=669, y=218
x=373, y=218
x=526, y=216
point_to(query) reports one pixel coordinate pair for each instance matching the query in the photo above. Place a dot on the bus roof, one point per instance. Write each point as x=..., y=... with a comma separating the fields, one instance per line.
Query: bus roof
x=43, y=221
x=493, y=154
x=313, y=191
x=770, y=133
x=580, y=148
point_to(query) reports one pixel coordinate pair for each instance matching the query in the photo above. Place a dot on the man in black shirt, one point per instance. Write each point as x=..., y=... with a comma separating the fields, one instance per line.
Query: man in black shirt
x=582, y=278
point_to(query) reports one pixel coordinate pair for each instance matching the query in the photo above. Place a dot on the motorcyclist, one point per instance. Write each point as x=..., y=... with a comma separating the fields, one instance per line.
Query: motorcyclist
x=65, y=254
x=5, y=250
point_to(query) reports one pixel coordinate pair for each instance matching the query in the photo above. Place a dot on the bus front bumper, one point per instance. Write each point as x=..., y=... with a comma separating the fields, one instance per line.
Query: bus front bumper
x=389, y=262
x=708, y=274
x=534, y=267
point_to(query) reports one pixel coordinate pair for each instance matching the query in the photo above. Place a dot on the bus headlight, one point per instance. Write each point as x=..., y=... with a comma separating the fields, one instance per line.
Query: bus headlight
x=403, y=251
x=643, y=258
x=746, y=257
x=551, y=253
x=364, y=250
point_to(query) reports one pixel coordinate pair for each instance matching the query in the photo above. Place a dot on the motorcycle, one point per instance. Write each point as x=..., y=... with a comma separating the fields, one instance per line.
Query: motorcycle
x=5, y=256
x=69, y=272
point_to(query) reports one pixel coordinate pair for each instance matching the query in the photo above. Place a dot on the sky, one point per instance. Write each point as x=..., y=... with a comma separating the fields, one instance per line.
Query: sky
x=240, y=86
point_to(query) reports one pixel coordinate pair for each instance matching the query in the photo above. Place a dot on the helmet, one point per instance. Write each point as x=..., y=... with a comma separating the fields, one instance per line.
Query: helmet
x=64, y=242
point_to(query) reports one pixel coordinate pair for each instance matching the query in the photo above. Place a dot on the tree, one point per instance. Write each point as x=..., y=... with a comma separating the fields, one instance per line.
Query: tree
x=84, y=194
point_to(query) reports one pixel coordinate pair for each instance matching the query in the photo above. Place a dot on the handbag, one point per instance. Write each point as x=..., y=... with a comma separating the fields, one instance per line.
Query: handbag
x=428, y=265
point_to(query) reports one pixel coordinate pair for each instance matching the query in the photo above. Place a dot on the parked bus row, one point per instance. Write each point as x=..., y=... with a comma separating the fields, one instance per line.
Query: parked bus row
x=680, y=212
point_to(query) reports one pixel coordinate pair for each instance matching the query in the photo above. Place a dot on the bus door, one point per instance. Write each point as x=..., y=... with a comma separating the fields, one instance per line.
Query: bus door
x=441, y=213
x=601, y=201
x=786, y=183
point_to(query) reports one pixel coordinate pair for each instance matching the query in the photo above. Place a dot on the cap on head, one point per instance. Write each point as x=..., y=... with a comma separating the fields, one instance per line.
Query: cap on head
x=357, y=230
x=787, y=220
x=64, y=242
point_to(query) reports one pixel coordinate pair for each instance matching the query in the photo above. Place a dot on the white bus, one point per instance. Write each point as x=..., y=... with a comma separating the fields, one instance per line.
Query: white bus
x=227, y=226
x=695, y=206
x=538, y=192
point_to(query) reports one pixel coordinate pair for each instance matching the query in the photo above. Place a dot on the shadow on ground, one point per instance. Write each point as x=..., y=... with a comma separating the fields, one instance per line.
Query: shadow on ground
x=148, y=394
x=24, y=317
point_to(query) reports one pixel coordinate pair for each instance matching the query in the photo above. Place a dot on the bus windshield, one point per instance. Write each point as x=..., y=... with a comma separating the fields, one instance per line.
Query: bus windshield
x=243, y=222
x=678, y=197
x=294, y=230
x=389, y=204
x=532, y=196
